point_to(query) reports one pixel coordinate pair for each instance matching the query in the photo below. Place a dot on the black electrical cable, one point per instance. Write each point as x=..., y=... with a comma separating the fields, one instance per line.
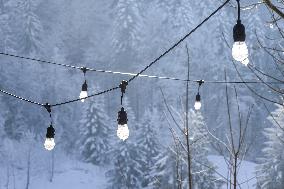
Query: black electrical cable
x=75, y=100
x=39, y=60
x=144, y=75
x=115, y=88
x=239, y=10
x=122, y=73
x=131, y=79
x=21, y=98
x=180, y=41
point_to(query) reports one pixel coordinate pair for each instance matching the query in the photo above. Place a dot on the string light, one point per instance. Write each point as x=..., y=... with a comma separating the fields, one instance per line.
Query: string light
x=239, y=52
x=49, y=143
x=122, y=129
x=84, y=91
x=240, y=49
x=197, y=104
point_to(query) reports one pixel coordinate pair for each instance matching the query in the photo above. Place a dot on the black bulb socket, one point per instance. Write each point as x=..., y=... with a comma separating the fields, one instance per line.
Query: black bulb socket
x=122, y=117
x=50, y=132
x=85, y=86
x=239, y=32
x=198, y=98
x=123, y=86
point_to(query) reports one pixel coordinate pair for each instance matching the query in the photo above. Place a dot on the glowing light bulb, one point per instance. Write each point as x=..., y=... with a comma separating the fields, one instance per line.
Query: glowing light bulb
x=49, y=144
x=122, y=129
x=84, y=92
x=83, y=95
x=197, y=104
x=240, y=52
x=122, y=132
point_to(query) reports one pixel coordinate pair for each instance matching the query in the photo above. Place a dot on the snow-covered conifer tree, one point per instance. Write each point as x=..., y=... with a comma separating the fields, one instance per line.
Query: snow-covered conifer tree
x=271, y=170
x=163, y=173
x=31, y=28
x=199, y=146
x=125, y=37
x=148, y=143
x=126, y=172
x=95, y=132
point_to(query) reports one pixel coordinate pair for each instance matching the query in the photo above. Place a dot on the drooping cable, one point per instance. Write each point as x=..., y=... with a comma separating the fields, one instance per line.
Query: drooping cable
x=180, y=41
x=133, y=74
x=137, y=74
x=131, y=79
x=21, y=98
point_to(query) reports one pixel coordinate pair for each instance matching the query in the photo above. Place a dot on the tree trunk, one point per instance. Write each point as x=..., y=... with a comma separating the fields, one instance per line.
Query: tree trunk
x=8, y=178
x=187, y=126
x=28, y=170
x=235, y=171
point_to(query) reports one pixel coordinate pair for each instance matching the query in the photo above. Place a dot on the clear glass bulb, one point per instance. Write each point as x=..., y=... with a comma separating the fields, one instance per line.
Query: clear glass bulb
x=49, y=143
x=240, y=52
x=197, y=105
x=83, y=94
x=123, y=132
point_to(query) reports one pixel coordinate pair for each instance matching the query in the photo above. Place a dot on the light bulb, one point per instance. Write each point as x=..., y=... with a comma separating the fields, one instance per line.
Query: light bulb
x=122, y=132
x=83, y=95
x=84, y=92
x=240, y=52
x=197, y=105
x=122, y=129
x=49, y=138
x=49, y=144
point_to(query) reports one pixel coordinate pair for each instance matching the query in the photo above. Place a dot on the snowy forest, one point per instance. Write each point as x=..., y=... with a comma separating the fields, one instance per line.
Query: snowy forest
x=196, y=117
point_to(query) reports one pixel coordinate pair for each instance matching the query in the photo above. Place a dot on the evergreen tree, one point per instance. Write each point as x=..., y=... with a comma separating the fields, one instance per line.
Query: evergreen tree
x=163, y=173
x=126, y=172
x=148, y=143
x=199, y=142
x=271, y=170
x=125, y=38
x=14, y=124
x=31, y=27
x=95, y=132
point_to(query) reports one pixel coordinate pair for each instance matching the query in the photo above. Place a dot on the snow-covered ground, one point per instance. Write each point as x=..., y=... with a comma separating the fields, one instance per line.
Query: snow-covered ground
x=246, y=175
x=68, y=175
x=80, y=175
x=72, y=174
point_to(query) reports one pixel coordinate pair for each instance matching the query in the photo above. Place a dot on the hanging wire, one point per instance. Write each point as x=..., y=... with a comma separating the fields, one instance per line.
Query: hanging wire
x=85, y=69
x=239, y=10
x=48, y=109
x=122, y=87
x=21, y=98
x=89, y=96
x=131, y=74
x=134, y=75
x=180, y=41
